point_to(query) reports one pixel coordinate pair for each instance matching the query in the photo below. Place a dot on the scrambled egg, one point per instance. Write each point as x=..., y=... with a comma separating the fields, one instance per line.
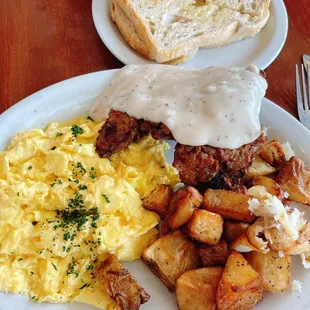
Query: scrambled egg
x=62, y=209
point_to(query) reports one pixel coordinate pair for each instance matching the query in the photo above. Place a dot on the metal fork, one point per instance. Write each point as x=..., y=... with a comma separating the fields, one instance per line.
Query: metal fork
x=303, y=94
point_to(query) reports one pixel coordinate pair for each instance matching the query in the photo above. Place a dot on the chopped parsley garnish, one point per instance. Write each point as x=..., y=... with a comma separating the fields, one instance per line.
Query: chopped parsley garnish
x=33, y=297
x=71, y=270
x=59, y=134
x=106, y=198
x=85, y=285
x=30, y=167
x=89, y=118
x=31, y=273
x=54, y=148
x=59, y=181
x=54, y=266
x=82, y=187
x=78, y=169
x=92, y=173
x=20, y=259
x=76, y=130
x=67, y=236
x=89, y=267
x=77, y=202
x=18, y=194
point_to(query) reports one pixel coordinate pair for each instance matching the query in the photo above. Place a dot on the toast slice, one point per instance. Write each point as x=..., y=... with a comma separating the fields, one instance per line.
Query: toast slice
x=171, y=31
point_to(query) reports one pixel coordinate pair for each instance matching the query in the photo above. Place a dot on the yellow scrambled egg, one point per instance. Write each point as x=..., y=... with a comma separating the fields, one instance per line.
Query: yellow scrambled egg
x=63, y=209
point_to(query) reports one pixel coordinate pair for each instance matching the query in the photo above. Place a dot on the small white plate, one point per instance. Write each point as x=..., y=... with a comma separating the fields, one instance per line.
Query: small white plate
x=72, y=98
x=261, y=50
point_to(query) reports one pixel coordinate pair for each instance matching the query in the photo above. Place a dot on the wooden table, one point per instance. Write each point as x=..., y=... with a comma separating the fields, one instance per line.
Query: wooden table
x=47, y=41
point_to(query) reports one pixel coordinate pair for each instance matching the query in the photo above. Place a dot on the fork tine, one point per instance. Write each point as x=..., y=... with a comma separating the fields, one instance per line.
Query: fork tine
x=306, y=105
x=300, y=107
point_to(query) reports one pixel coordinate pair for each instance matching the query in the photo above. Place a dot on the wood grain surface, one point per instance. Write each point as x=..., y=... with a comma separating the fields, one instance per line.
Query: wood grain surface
x=47, y=41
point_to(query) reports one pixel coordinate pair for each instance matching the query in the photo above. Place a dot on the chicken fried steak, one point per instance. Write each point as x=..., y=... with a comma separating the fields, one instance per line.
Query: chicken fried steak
x=120, y=129
x=216, y=167
x=220, y=168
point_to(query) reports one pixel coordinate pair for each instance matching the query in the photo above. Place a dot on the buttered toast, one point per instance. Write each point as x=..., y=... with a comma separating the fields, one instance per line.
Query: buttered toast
x=171, y=31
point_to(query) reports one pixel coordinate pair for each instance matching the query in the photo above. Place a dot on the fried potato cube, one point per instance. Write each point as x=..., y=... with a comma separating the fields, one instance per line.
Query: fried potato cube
x=255, y=235
x=214, y=255
x=181, y=208
x=240, y=287
x=122, y=288
x=279, y=241
x=294, y=178
x=196, y=289
x=259, y=167
x=229, y=205
x=170, y=256
x=273, y=153
x=159, y=199
x=243, y=245
x=232, y=230
x=271, y=186
x=205, y=227
x=274, y=270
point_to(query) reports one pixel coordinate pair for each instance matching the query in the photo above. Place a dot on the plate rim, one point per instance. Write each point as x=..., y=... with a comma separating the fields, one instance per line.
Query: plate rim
x=268, y=59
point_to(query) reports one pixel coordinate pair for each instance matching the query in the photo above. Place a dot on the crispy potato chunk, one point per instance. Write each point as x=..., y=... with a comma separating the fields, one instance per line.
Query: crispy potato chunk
x=170, y=256
x=232, y=230
x=122, y=288
x=214, y=255
x=271, y=186
x=294, y=178
x=196, y=289
x=255, y=235
x=243, y=245
x=240, y=287
x=259, y=167
x=229, y=205
x=279, y=241
x=181, y=208
x=274, y=270
x=158, y=201
x=272, y=152
x=205, y=227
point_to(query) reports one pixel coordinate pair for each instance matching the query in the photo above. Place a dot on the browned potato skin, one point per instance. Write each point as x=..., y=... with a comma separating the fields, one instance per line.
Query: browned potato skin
x=259, y=167
x=240, y=287
x=252, y=233
x=232, y=230
x=214, y=255
x=230, y=205
x=294, y=178
x=272, y=152
x=196, y=289
x=279, y=241
x=274, y=270
x=170, y=256
x=181, y=208
x=271, y=186
x=158, y=201
x=205, y=227
x=122, y=288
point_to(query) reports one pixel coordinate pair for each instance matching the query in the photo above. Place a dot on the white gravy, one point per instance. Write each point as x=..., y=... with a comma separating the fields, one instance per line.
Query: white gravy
x=216, y=106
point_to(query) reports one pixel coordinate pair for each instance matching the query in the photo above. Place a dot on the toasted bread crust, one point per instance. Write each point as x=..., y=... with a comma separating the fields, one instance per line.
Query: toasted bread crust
x=139, y=36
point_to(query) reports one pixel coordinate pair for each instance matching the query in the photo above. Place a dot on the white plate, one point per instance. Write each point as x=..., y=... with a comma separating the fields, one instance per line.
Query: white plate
x=260, y=50
x=72, y=98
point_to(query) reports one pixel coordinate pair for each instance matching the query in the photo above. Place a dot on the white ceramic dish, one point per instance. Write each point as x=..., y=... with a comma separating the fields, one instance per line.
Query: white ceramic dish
x=260, y=50
x=72, y=98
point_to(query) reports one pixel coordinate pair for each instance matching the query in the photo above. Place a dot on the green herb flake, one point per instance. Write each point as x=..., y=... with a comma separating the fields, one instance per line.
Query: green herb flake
x=53, y=148
x=106, y=198
x=76, y=130
x=31, y=273
x=54, y=266
x=59, y=134
x=30, y=167
x=20, y=259
x=85, y=285
x=82, y=187
x=92, y=173
x=67, y=236
x=33, y=297
x=89, y=118
x=18, y=194
x=78, y=169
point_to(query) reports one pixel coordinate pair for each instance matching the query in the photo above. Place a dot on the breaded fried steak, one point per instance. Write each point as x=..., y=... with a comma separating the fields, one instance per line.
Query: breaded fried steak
x=219, y=167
